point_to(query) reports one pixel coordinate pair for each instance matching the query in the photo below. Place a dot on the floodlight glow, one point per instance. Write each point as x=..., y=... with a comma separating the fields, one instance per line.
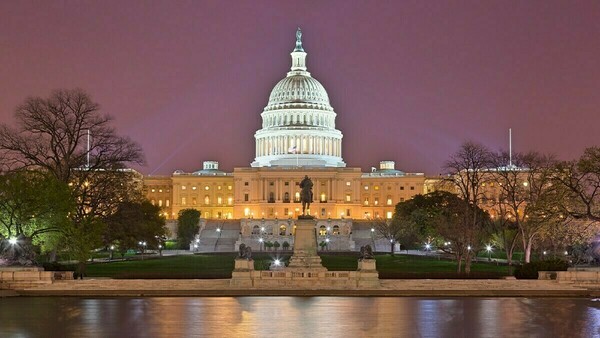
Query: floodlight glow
x=469, y=248
x=427, y=246
x=112, y=247
x=277, y=262
x=372, y=229
x=12, y=241
x=218, y=229
x=488, y=248
x=327, y=240
x=260, y=239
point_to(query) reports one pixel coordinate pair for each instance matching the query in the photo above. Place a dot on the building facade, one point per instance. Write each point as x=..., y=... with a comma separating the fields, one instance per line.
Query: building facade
x=298, y=137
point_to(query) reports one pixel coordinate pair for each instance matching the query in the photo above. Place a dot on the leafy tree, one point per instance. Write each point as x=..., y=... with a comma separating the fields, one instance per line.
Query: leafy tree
x=187, y=227
x=276, y=245
x=396, y=230
x=33, y=206
x=134, y=222
x=285, y=245
x=446, y=215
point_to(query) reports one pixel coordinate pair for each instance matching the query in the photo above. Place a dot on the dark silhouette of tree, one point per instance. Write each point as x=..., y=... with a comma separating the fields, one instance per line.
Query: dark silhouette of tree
x=187, y=227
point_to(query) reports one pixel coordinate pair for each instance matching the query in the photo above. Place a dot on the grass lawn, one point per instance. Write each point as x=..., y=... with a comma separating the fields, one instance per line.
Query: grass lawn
x=221, y=265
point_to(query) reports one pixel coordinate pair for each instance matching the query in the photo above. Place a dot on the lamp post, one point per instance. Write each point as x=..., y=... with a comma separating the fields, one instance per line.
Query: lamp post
x=488, y=248
x=142, y=245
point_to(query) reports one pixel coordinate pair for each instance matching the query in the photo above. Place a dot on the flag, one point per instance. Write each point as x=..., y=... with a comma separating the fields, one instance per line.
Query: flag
x=292, y=150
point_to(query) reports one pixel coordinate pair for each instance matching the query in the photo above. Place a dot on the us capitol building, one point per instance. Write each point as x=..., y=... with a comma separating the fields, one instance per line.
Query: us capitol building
x=259, y=203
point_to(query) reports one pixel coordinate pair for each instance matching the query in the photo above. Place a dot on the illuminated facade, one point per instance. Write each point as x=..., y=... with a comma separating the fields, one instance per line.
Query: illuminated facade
x=297, y=138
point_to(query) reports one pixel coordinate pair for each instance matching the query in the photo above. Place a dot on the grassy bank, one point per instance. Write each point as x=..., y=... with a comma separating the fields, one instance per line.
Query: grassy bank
x=221, y=265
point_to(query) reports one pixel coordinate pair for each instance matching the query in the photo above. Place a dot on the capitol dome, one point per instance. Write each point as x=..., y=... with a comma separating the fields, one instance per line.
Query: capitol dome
x=298, y=122
x=298, y=89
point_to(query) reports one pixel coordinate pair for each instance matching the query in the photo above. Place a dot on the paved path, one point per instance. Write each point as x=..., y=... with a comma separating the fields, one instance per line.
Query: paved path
x=220, y=287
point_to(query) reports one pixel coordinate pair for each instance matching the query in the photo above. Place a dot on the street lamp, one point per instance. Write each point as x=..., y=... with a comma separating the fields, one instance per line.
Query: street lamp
x=489, y=250
x=12, y=241
x=260, y=240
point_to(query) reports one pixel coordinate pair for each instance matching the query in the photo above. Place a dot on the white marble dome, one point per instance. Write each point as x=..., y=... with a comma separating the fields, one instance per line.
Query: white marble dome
x=298, y=128
x=298, y=88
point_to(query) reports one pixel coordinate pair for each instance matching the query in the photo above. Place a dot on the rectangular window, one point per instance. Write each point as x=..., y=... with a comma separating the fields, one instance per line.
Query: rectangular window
x=183, y=201
x=183, y=187
x=348, y=198
x=401, y=188
x=389, y=201
x=401, y=199
x=286, y=211
x=388, y=215
x=167, y=203
x=412, y=188
x=348, y=183
x=246, y=198
x=246, y=183
x=271, y=183
x=376, y=201
x=287, y=184
x=322, y=211
x=347, y=212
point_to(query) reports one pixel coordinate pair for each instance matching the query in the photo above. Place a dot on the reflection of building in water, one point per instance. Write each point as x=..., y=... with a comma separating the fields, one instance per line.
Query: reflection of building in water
x=298, y=137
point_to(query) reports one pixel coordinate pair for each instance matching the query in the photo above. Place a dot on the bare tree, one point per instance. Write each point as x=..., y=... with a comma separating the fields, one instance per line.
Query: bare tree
x=525, y=196
x=581, y=178
x=468, y=168
x=52, y=134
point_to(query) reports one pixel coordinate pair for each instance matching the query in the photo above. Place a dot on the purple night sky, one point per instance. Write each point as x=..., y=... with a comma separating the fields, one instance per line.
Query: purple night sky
x=409, y=80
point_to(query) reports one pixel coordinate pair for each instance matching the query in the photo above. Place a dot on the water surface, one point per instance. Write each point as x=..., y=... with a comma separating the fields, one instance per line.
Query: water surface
x=299, y=317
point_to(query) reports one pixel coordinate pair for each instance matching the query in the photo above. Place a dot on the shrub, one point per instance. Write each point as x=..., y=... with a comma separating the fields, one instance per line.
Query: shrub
x=276, y=245
x=285, y=245
x=530, y=270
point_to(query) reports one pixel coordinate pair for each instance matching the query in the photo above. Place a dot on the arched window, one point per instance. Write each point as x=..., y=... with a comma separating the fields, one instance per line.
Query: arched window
x=282, y=230
x=256, y=230
x=336, y=229
x=322, y=231
x=297, y=197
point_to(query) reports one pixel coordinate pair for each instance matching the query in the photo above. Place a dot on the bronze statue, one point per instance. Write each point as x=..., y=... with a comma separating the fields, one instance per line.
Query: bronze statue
x=245, y=252
x=306, y=195
x=366, y=252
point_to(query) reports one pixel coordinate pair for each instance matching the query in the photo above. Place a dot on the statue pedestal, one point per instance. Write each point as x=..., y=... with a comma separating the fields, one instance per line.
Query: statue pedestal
x=305, y=247
x=242, y=273
x=368, y=277
x=366, y=265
